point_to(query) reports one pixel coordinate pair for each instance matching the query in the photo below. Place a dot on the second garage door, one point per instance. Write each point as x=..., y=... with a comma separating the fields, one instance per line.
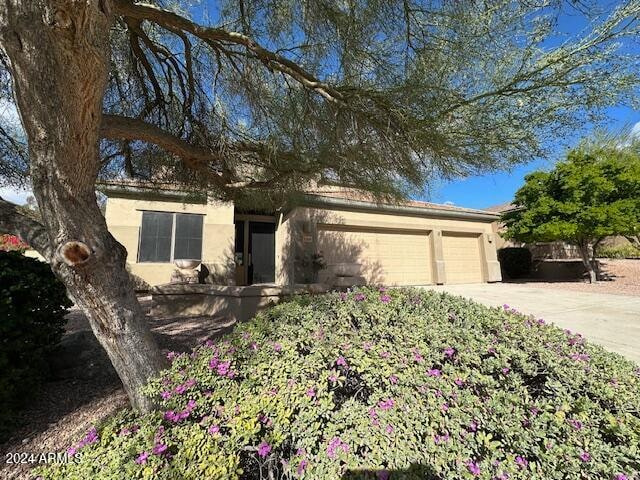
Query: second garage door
x=462, y=259
x=390, y=257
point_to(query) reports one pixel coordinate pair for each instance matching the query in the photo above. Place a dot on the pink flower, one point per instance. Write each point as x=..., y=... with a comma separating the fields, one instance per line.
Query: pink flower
x=449, y=352
x=311, y=393
x=438, y=439
x=341, y=361
x=389, y=429
x=459, y=382
x=584, y=456
x=473, y=468
x=417, y=357
x=213, y=429
x=387, y=404
x=577, y=424
x=385, y=354
x=71, y=451
x=359, y=297
x=142, y=458
x=159, y=449
x=385, y=298
x=393, y=379
x=521, y=461
x=506, y=370
x=433, y=372
x=302, y=467
x=277, y=347
x=171, y=356
x=621, y=476
x=264, y=449
x=335, y=445
x=165, y=394
x=473, y=426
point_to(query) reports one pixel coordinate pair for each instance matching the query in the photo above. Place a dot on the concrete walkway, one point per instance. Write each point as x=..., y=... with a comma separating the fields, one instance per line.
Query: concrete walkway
x=612, y=321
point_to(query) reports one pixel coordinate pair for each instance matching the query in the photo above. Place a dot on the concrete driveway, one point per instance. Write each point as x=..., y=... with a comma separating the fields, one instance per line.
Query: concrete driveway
x=612, y=321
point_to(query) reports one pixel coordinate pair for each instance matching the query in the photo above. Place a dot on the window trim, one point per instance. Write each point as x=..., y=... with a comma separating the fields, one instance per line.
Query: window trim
x=173, y=234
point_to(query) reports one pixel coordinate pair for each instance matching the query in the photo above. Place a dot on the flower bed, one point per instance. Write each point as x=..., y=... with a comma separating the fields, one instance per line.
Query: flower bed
x=380, y=384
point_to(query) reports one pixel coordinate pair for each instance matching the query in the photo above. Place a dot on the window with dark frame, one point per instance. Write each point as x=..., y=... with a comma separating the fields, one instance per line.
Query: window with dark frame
x=166, y=236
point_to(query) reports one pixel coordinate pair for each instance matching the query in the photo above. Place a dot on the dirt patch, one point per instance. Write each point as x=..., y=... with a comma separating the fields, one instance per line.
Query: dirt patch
x=86, y=389
x=620, y=277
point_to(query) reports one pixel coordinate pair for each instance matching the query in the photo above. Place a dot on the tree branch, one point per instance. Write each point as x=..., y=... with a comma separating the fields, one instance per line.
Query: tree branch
x=172, y=21
x=28, y=229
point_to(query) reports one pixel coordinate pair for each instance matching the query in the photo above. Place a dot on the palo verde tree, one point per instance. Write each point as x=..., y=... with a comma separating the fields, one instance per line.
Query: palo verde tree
x=593, y=194
x=248, y=99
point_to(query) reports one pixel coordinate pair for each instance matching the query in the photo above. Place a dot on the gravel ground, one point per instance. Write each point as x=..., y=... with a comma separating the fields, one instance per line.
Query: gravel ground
x=64, y=409
x=621, y=277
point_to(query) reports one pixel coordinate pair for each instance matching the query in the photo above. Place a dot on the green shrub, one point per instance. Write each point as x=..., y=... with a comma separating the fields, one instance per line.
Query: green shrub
x=515, y=261
x=33, y=304
x=622, y=251
x=415, y=383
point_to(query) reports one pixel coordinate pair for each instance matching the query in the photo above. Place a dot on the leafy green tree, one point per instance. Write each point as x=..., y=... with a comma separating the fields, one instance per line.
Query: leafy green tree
x=592, y=194
x=259, y=99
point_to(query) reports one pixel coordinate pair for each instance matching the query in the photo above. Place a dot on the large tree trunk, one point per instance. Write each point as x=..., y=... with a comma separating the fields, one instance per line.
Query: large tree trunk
x=58, y=53
x=584, y=249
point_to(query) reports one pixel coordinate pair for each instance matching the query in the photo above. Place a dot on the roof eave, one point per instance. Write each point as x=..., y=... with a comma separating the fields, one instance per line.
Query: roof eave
x=319, y=200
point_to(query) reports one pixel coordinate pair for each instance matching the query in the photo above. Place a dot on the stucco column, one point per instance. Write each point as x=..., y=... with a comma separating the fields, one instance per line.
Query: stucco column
x=439, y=274
x=492, y=265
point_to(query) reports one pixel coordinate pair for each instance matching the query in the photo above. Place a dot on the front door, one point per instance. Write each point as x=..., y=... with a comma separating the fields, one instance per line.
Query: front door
x=262, y=253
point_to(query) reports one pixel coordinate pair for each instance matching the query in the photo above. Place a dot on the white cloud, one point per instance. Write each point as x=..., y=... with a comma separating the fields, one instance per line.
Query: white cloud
x=15, y=195
x=635, y=131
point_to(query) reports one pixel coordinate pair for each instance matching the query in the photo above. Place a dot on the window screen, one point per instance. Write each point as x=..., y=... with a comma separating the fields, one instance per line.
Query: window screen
x=188, y=244
x=155, y=237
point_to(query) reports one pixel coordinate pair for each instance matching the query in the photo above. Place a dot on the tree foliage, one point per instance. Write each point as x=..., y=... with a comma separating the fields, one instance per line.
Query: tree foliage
x=592, y=194
x=250, y=96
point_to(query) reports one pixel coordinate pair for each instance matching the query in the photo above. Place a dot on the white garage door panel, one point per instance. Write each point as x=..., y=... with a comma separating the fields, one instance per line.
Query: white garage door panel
x=462, y=259
x=390, y=257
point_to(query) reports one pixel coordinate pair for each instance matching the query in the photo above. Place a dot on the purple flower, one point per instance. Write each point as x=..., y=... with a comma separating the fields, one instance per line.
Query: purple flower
x=521, y=461
x=473, y=426
x=459, y=382
x=577, y=424
x=302, y=467
x=359, y=297
x=311, y=393
x=71, y=451
x=385, y=354
x=387, y=404
x=171, y=356
x=165, y=394
x=438, y=439
x=341, y=361
x=264, y=449
x=277, y=347
x=473, y=468
x=417, y=356
x=393, y=379
x=223, y=368
x=449, y=352
x=389, y=429
x=506, y=370
x=142, y=458
x=621, y=476
x=213, y=429
x=433, y=372
x=159, y=448
x=584, y=456
x=335, y=445
x=180, y=389
x=385, y=298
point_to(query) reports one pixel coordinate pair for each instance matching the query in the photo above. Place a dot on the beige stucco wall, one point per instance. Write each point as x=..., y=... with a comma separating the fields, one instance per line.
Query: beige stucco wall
x=124, y=218
x=433, y=226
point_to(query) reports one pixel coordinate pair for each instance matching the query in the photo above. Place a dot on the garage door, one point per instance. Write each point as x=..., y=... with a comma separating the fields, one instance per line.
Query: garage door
x=462, y=259
x=389, y=257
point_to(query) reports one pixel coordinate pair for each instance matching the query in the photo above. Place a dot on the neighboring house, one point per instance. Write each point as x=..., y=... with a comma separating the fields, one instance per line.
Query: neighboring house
x=415, y=243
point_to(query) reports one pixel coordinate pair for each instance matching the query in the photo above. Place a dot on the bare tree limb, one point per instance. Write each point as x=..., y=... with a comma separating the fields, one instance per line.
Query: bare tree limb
x=172, y=21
